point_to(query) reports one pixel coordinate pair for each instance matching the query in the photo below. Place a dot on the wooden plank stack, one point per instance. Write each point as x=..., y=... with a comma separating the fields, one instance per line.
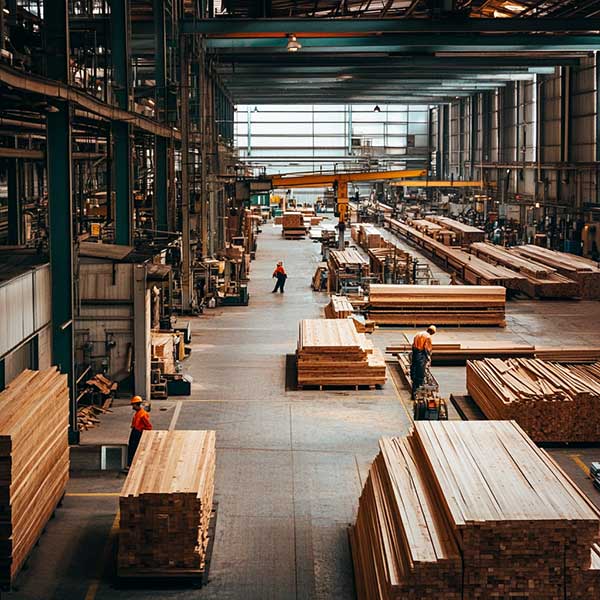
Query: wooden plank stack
x=293, y=226
x=345, y=266
x=582, y=270
x=465, y=234
x=472, y=511
x=389, y=260
x=539, y=280
x=439, y=304
x=553, y=402
x=34, y=461
x=368, y=236
x=339, y=307
x=166, y=503
x=331, y=352
x=435, y=231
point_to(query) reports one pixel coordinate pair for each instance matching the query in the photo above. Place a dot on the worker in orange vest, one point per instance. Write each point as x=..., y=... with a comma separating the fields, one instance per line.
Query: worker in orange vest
x=421, y=357
x=281, y=276
x=139, y=424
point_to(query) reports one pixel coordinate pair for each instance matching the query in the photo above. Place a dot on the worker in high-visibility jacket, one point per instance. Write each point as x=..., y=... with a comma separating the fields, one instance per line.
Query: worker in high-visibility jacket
x=139, y=424
x=280, y=274
x=421, y=357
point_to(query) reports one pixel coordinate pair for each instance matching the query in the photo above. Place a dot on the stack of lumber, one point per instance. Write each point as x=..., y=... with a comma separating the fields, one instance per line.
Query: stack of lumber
x=166, y=503
x=34, y=461
x=345, y=266
x=553, y=402
x=87, y=416
x=472, y=511
x=339, y=307
x=103, y=384
x=332, y=352
x=446, y=353
x=540, y=281
x=465, y=234
x=437, y=232
x=582, y=270
x=369, y=237
x=163, y=352
x=439, y=304
x=293, y=225
x=319, y=278
x=389, y=260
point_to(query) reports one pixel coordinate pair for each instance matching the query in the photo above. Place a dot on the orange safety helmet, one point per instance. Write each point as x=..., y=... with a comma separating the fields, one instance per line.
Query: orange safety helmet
x=136, y=400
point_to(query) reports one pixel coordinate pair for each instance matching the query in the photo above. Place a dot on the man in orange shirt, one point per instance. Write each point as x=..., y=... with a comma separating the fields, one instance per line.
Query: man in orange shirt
x=139, y=424
x=421, y=357
x=281, y=276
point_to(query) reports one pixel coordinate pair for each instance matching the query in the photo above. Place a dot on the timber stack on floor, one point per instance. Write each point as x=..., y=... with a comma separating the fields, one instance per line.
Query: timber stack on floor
x=465, y=234
x=551, y=401
x=472, y=511
x=368, y=236
x=582, y=270
x=435, y=231
x=331, y=352
x=540, y=281
x=166, y=504
x=389, y=261
x=34, y=461
x=439, y=304
x=339, y=307
x=293, y=226
x=345, y=267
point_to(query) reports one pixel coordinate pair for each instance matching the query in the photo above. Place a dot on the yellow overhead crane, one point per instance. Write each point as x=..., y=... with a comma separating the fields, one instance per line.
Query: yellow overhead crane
x=434, y=183
x=340, y=181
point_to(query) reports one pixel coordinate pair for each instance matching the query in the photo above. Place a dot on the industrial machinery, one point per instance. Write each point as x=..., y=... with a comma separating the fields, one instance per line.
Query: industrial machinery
x=428, y=404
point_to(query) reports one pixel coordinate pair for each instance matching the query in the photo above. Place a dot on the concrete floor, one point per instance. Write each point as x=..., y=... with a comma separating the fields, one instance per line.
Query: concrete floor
x=290, y=464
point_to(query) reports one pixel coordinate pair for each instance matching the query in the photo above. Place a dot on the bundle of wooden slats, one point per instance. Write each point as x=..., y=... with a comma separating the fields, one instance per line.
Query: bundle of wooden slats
x=551, y=401
x=339, y=307
x=163, y=351
x=166, y=503
x=540, y=281
x=439, y=304
x=332, y=352
x=369, y=237
x=465, y=234
x=389, y=260
x=582, y=270
x=293, y=225
x=472, y=511
x=345, y=266
x=319, y=279
x=34, y=461
x=437, y=232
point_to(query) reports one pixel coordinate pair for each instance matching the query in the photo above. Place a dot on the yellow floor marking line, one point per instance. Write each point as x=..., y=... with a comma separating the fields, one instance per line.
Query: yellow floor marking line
x=577, y=460
x=175, y=416
x=397, y=390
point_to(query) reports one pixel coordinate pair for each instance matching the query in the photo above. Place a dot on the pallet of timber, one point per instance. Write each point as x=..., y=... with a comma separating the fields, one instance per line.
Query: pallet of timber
x=34, y=462
x=331, y=352
x=472, y=511
x=439, y=304
x=345, y=266
x=339, y=307
x=163, y=351
x=389, y=260
x=552, y=402
x=319, y=278
x=165, y=505
x=540, y=281
x=582, y=270
x=465, y=234
x=435, y=231
x=369, y=237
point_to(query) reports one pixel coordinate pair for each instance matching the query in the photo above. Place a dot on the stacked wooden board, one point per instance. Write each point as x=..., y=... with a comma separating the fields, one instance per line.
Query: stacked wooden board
x=368, y=236
x=551, y=401
x=293, y=225
x=390, y=261
x=34, y=461
x=582, y=270
x=331, y=352
x=339, y=307
x=437, y=232
x=472, y=511
x=166, y=503
x=465, y=234
x=345, y=266
x=439, y=304
x=539, y=280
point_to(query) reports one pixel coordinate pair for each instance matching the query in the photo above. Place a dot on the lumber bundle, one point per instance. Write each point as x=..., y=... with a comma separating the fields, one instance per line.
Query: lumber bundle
x=332, y=352
x=434, y=230
x=390, y=261
x=368, y=237
x=582, y=270
x=465, y=234
x=472, y=511
x=163, y=352
x=552, y=402
x=293, y=225
x=345, y=266
x=339, y=307
x=439, y=304
x=87, y=416
x=319, y=280
x=540, y=281
x=166, y=503
x=34, y=461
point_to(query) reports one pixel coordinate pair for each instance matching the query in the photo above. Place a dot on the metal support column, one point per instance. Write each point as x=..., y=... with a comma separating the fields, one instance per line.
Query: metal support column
x=121, y=131
x=15, y=215
x=186, y=268
x=60, y=205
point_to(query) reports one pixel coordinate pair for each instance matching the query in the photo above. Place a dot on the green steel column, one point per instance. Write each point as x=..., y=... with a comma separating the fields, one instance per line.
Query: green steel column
x=121, y=131
x=161, y=176
x=15, y=216
x=60, y=205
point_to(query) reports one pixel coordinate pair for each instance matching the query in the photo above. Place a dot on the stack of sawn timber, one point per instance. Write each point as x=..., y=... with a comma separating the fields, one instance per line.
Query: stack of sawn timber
x=582, y=270
x=34, y=459
x=293, y=225
x=465, y=234
x=166, y=504
x=473, y=511
x=552, y=402
x=368, y=236
x=439, y=304
x=339, y=307
x=539, y=280
x=331, y=352
x=345, y=266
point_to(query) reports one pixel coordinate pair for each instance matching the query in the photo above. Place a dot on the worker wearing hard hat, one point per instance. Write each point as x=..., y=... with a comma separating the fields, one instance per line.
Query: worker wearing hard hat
x=421, y=357
x=139, y=424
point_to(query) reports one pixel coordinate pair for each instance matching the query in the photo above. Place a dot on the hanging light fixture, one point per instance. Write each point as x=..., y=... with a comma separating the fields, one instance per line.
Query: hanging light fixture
x=377, y=109
x=293, y=44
